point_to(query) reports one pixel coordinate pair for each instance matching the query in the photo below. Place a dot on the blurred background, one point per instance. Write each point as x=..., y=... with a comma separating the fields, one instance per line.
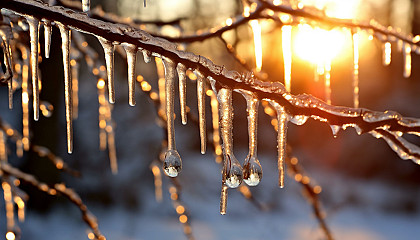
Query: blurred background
x=368, y=192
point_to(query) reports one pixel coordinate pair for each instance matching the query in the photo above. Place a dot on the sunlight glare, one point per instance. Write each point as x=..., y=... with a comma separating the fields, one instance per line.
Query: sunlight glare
x=318, y=45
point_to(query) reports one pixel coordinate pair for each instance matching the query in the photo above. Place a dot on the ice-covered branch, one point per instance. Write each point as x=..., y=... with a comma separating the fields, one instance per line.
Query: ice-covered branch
x=298, y=107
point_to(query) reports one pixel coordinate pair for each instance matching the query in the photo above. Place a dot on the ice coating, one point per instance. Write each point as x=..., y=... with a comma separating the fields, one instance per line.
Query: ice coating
x=109, y=59
x=172, y=163
x=402, y=147
x=223, y=199
x=356, y=70
x=131, y=51
x=182, y=79
x=86, y=5
x=282, y=120
x=201, y=110
x=65, y=48
x=33, y=34
x=252, y=170
x=47, y=37
x=233, y=170
x=407, y=60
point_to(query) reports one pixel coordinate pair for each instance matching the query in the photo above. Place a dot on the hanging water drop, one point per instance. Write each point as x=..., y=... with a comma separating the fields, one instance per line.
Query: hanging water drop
x=252, y=171
x=182, y=78
x=335, y=129
x=47, y=37
x=233, y=170
x=131, y=51
x=286, y=39
x=33, y=33
x=86, y=5
x=109, y=59
x=65, y=48
x=407, y=59
x=201, y=110
x=172, y=164
x=386, y=53
x=356, y=70
x=147, y=55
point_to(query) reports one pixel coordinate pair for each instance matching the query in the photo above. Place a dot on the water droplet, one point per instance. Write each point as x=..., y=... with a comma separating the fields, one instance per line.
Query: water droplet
x=299, y=119
x=172, y=165
x=252, y=172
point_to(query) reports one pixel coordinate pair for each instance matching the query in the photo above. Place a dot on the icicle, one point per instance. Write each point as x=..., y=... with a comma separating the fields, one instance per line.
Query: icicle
x=328, y=81
x=8, y=199
x=112, y=151
x=109, y=59
x=256, y=29
x=147, y=55
x=252, y=172
x=286, y=39
x=47, y=37
x=233, y=167
x=407, y=59
x=10, y=91
x=356, y=70
x=172, y=163
x=335, y=129
x=131, y=51
x=201, y=110
x=182, y=76
x=25, y=98
x=282, y=120
x=215, y=120
x=65, y=48
x=3, y=147
x=161, y=83
x=386, y=53
x=33, y=32
x=223, y=199
x=86, y=5
x=102, y=114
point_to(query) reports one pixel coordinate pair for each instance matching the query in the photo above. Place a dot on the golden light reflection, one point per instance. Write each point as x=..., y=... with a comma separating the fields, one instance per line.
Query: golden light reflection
x=10, y=236
x=335, y=8
x=286, y=38
x=386, y=53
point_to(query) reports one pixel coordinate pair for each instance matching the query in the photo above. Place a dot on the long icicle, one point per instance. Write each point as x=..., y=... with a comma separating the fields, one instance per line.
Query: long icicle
x=172, y=163
x=286, y=39
x=8, y=63
x=201, y=110
x=161, y=84
x=47, y=37
x=25, y=98
x=327, y=76
x=407, y=59
x=355, y=69
x=252, y=168
x=232, y=170
x=386, y=53
x=109, y=59
x=282, y=120
x=182, y=79
x=131, y=51
x=256, y=30
x=33, y=33
x=65, y=48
